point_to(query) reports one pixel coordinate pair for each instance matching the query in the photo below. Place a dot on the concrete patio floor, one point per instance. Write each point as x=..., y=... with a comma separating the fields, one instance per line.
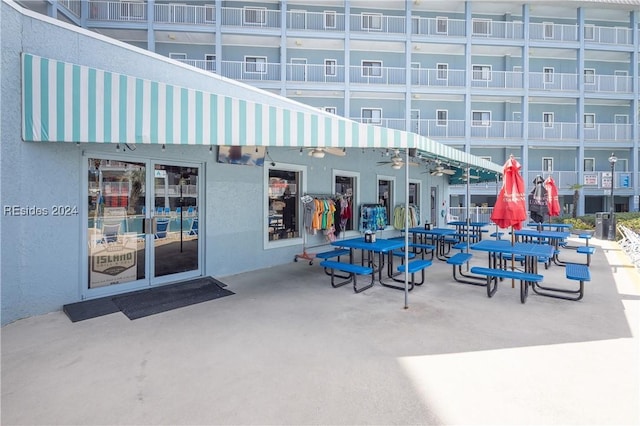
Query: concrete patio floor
x=289, y=349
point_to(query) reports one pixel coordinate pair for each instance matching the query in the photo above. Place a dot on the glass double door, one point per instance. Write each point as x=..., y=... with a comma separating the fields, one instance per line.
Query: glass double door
x=143, y=222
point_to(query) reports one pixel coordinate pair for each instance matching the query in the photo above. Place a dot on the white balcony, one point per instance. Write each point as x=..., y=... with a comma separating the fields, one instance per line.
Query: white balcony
x=118, y=11
x=184, y=14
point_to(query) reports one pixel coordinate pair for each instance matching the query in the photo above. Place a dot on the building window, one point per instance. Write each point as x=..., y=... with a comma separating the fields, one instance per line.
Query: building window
x=481, y=72
x=284, y=207
x=547, y=164
x=386, y=195
x=371, y=69
x=481, y=118
x=330, y=67
x=178, y=56
x=547, y=119
x=442, y=25
x=589, y=164
x=255, y=64
x=414, y=194
x=548, y=29
x=371, y=115
x=331, y=110
x=329, y=19
x=346, y=188
x=209, y=13
x=210, y=62
x=442, y=117
x=589, y=32
x=371, y=21
x=443, y=71
x=548, y=74
x=589, y=121
x=481, y=26
x=589, y=76
x=255, y=15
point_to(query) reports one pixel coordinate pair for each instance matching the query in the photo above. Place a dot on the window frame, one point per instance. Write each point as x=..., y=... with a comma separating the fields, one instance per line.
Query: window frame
x=364, y=67
x=548, y=26
x=389, y=208
x=483, y=69
x=481, y=122
x=589, y=76
x=585, y=123
x=355, y=221
x=547, y=161
x=593, y=164
x=329, y=66
x=444, y=21
x=367, y=19
x=444, y=70
x=261, y=12
x=302, y=189
x=330, y=13
x=256, y=63
x=372, y=119
x=592, y=29
x=548, y=123
x=548, y=75
x=487, y=24
x=439, y=121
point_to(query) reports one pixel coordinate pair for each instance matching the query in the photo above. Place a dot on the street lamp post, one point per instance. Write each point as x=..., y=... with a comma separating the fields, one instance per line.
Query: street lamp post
x=612, y=212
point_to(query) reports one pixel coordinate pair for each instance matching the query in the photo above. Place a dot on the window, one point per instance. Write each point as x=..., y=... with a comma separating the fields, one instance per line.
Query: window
x=443, y=71
x=442, y=25
x=372, y=115
x=133, y=9
x=371, y=69
x=517, y=116
x=178, y=56
x=589, y=76
x=331, y=110
x=481, y=72
x=330, y=67
x=254, y=15
x=371, y=21
x=548, y=74
x=480, y=118
x=255, y=64
x=284, y=215
x=442, y=117
x=414, y=194
x=386, y=195
x=589, y=32
x=547, y=119
x=209, y=13
x=589, y=121
x=329, y=19
x=548, y=29
x=481, y=26
x=210, y=62
x=346, y=187
x=547, y=164
x=589, y=164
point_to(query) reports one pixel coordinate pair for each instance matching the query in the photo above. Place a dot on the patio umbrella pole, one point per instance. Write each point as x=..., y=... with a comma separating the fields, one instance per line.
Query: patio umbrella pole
x=406, y=230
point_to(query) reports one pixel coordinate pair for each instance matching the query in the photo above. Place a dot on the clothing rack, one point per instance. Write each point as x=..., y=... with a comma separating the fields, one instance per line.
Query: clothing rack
x=304, y=200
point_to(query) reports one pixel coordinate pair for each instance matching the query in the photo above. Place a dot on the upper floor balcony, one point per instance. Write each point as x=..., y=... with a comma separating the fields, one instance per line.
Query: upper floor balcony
x=373, y=73
x=365, y=22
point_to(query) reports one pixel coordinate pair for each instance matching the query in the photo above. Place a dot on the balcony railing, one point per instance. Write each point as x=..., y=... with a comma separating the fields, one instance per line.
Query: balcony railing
x=553, y=81
x=252, y=17
x=591, y=180
x=252, y=71
x=553, y=131
x=72, y=5
x=117, y=11
x=176, y=13
x=315, y=73
x=315, y=21
x=497, y=79
x=608, y=83
x=206, y=65
x=608, y=131
x=437, y=78
x=376, y=75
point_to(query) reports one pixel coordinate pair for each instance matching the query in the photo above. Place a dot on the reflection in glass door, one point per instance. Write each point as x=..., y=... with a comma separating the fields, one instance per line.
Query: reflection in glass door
x=116, y=211
x=143, y=223
x=175, y=220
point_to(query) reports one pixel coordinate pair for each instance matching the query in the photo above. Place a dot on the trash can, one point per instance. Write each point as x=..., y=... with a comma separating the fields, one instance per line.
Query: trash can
x=603, y=220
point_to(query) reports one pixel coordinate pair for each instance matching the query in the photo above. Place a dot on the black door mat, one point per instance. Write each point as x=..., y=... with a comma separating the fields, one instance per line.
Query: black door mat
x=142, y=303
x=88, y=309
x=161, y=299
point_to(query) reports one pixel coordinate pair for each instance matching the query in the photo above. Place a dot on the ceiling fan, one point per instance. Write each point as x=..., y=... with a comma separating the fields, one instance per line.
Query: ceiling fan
x=320, y=152
x=441, y=170
x=396, y=161
x=471, y=177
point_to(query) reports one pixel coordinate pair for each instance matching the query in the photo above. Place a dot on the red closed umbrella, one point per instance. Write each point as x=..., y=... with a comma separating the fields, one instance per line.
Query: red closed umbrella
x=552, y=197
x=510, y=209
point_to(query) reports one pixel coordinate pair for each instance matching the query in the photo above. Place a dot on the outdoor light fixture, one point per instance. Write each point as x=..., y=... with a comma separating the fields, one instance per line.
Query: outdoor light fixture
x=317, y=153
x=396, y=166
x=163, y=147
x=210, y=150
x=612, y=211
x=118, y=147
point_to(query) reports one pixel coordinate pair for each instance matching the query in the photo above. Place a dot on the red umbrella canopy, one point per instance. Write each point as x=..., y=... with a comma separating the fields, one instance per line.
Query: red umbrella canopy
x=511, y=208
x=552, y=196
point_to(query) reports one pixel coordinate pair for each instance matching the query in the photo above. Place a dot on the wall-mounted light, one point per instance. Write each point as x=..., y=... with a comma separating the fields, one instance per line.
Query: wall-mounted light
x=298, y=42
x=210, y=150
x=163, y=147
x=117, y=147
x=171, y=36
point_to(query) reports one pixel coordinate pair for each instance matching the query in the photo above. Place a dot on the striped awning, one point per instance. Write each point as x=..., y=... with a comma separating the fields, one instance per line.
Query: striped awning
x=64, y=102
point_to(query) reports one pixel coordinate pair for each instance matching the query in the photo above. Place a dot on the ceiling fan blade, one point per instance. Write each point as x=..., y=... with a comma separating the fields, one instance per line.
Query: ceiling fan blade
x=448, y=171
x=335, y=151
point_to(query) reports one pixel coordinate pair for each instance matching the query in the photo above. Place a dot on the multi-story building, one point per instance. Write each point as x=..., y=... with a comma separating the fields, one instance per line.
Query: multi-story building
x=554, y=83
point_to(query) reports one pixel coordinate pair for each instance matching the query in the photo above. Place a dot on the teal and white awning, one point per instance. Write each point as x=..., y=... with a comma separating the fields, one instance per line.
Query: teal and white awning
x=64, y=102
